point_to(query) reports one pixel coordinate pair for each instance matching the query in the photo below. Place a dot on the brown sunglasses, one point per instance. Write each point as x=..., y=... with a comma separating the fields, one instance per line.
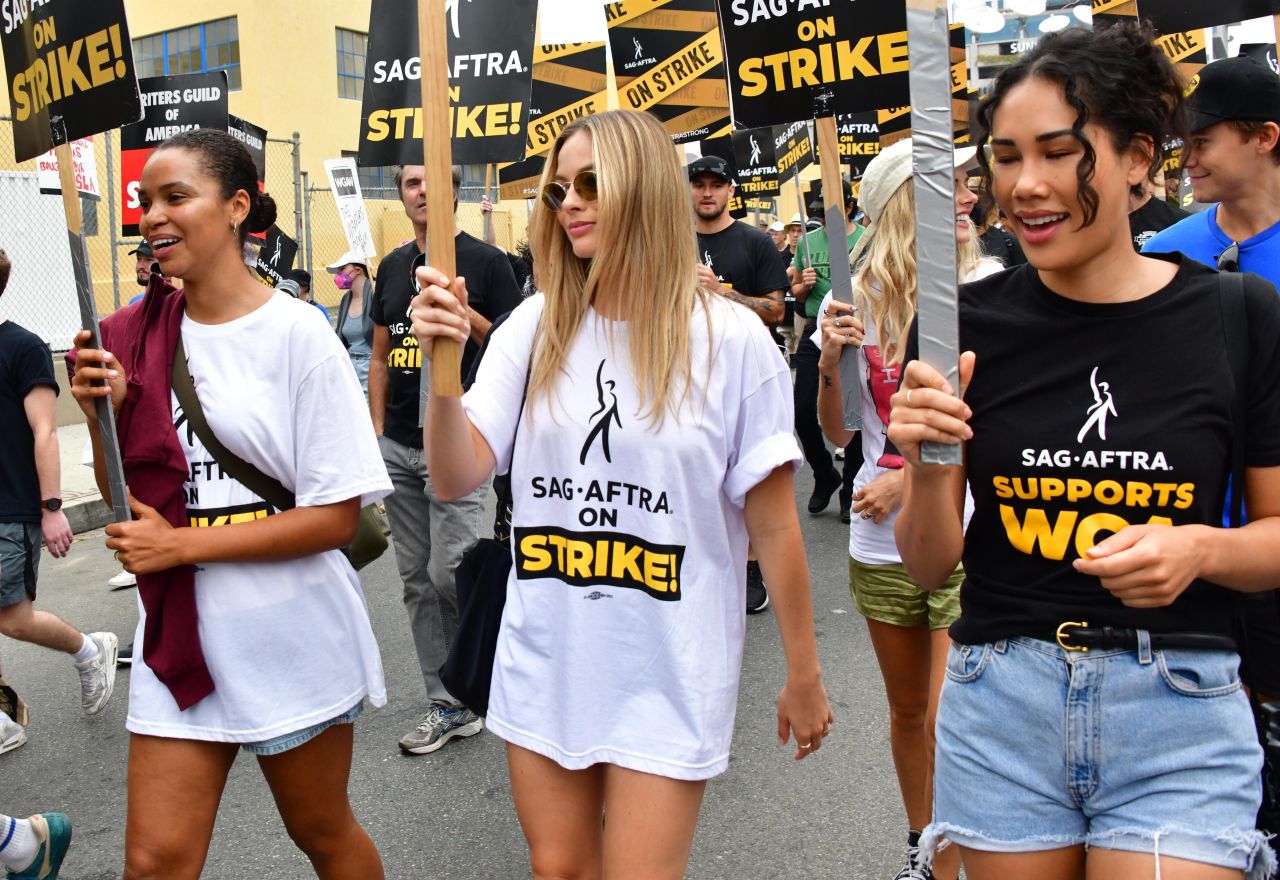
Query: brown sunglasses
x=584, y=184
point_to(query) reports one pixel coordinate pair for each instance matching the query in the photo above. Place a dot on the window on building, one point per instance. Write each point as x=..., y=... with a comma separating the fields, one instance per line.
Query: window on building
x=199, y=48
x=352, y=46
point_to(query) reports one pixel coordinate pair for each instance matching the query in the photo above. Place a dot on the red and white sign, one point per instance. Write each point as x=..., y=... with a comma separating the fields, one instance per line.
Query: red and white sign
x=82, y=156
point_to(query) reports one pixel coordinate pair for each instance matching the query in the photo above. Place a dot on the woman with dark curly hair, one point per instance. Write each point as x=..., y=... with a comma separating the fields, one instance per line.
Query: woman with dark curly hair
x=1093, y=722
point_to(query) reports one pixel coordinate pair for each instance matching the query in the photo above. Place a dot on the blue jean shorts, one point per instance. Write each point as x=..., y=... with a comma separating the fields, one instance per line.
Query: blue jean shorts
x=1142, y=751
x=287, y=741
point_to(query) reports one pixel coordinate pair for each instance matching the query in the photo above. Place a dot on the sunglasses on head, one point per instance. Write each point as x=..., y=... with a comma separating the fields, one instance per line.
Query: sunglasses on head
x=1229, y=260
x=584, y=184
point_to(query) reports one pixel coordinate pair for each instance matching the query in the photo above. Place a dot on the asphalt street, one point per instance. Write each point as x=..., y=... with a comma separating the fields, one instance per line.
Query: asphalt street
x=449, y=815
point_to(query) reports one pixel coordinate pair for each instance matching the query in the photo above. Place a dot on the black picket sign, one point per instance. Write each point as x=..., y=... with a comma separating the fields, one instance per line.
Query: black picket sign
x=754, y=156
x=276, y=256
x=490, y=67
x=787, y=61
x=254, y=137
x=1173, y=16
x=69, y=66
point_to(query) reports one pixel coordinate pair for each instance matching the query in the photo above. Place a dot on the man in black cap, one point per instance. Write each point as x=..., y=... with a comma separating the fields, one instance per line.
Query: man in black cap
x=740, y=263
x=734, y=260
x=1233, y=158
x=146, y=260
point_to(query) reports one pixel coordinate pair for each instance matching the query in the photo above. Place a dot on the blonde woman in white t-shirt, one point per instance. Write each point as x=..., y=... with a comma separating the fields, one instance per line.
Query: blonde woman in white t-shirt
x=655, y=442
x=907, y=624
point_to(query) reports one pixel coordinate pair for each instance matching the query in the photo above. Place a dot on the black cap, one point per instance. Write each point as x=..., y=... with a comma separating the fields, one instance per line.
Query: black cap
x=1235, y=88
x=302, y=276
x=713, y=165
x=143, y=249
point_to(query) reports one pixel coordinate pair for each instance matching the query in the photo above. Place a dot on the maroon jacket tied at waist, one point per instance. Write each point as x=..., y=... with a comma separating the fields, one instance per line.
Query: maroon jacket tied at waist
x=143, y=338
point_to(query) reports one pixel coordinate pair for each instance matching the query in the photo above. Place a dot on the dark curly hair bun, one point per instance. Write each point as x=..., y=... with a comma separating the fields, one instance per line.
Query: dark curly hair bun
x=262, y=215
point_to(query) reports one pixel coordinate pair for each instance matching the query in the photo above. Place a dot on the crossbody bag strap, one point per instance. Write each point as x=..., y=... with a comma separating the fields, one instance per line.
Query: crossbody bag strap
x=1235, y=325
x=267, y=488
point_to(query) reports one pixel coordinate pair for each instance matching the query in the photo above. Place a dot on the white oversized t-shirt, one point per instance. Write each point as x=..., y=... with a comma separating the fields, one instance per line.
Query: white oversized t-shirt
x=288, y=643
x=622, y=636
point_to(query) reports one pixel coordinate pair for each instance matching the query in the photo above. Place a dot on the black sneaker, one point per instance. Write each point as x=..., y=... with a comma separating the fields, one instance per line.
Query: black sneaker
x=846, y=513
x=757, y=595
x=823, y=489
x=125, y=656
x=913, y=870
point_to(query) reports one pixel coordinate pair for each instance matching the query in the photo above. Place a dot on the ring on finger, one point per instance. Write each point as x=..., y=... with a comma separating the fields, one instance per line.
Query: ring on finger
x=807, y=745
x=866, y=514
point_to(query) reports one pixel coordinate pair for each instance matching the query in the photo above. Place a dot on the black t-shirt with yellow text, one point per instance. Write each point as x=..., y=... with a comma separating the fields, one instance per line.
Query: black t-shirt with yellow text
x=744, y=259
x=1089, y=417
x=491, y=290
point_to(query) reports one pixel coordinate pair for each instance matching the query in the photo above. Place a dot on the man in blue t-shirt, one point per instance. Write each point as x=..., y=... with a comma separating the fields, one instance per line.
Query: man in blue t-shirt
x=1233, y=158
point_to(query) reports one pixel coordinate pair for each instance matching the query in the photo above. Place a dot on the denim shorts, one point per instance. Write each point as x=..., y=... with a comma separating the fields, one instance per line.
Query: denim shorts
x=287, y=741
x=19, y=562
x=1142, y=751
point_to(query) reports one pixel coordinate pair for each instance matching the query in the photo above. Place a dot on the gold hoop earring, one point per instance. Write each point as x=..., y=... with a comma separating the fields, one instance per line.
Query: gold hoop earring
x=235, y=229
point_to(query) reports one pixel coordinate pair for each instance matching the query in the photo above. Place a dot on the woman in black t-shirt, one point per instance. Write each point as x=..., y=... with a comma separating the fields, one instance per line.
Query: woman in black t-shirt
x=1098, y=424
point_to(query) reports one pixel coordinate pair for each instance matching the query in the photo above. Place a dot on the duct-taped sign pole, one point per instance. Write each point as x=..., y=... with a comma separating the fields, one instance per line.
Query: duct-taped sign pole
x=931, y=153
x=836, y=225
x=110, y=444
x=443, y=377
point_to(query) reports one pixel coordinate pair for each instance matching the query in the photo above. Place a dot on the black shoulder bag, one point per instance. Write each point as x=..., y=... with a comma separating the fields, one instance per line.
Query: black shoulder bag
x=1249, y=606
x=370, y=541
x=481, y=580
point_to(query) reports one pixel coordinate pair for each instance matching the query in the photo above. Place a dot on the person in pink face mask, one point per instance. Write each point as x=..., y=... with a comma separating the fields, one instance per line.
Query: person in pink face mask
x=355, y=326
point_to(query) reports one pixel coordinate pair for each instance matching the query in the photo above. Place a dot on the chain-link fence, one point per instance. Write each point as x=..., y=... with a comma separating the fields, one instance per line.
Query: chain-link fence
x=324, y=242
x=41, y=292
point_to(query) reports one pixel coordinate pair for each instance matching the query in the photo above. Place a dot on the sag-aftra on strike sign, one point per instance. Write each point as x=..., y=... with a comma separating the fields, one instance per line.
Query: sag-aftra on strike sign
x=801, y=58
x=69, y=62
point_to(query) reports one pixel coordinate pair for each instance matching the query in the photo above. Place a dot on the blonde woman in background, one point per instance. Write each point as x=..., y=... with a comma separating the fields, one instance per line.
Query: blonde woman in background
x=908, y=625
x=636, y=378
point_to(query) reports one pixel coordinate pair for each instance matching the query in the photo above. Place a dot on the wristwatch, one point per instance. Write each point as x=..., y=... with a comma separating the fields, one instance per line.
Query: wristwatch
x=51, y=504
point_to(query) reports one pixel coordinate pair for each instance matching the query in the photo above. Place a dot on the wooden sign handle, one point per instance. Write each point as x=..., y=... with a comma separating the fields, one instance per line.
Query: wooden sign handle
x=437, y=152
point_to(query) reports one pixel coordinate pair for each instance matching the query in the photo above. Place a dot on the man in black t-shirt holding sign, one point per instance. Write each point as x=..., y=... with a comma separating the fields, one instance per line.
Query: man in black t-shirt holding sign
x=430, y=535
x=735, y=260
x=740, y=263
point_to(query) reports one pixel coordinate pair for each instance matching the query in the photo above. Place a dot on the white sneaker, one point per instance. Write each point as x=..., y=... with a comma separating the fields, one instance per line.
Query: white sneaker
x=98, y=676
x=122, y=580
x=11, y=734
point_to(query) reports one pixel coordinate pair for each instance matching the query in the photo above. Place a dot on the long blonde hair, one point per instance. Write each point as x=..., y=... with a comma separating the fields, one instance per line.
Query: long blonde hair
x=645, y=260
x=885, y=263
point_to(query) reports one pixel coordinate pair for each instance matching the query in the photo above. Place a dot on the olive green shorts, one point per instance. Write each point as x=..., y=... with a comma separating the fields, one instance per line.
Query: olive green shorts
x=888, y=594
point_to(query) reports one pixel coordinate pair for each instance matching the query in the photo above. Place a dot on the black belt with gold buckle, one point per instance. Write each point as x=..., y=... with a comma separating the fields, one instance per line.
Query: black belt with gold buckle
x=1075, y=635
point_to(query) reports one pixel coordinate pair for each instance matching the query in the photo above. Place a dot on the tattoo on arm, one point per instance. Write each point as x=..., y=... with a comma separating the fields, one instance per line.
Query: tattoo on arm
x=770, y=307
x=826, y=382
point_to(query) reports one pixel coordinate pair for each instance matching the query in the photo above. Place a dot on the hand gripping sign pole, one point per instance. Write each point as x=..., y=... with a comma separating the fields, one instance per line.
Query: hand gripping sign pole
x=835, y=224
x=444, y=375
x=110, y=444
x=934, y=182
